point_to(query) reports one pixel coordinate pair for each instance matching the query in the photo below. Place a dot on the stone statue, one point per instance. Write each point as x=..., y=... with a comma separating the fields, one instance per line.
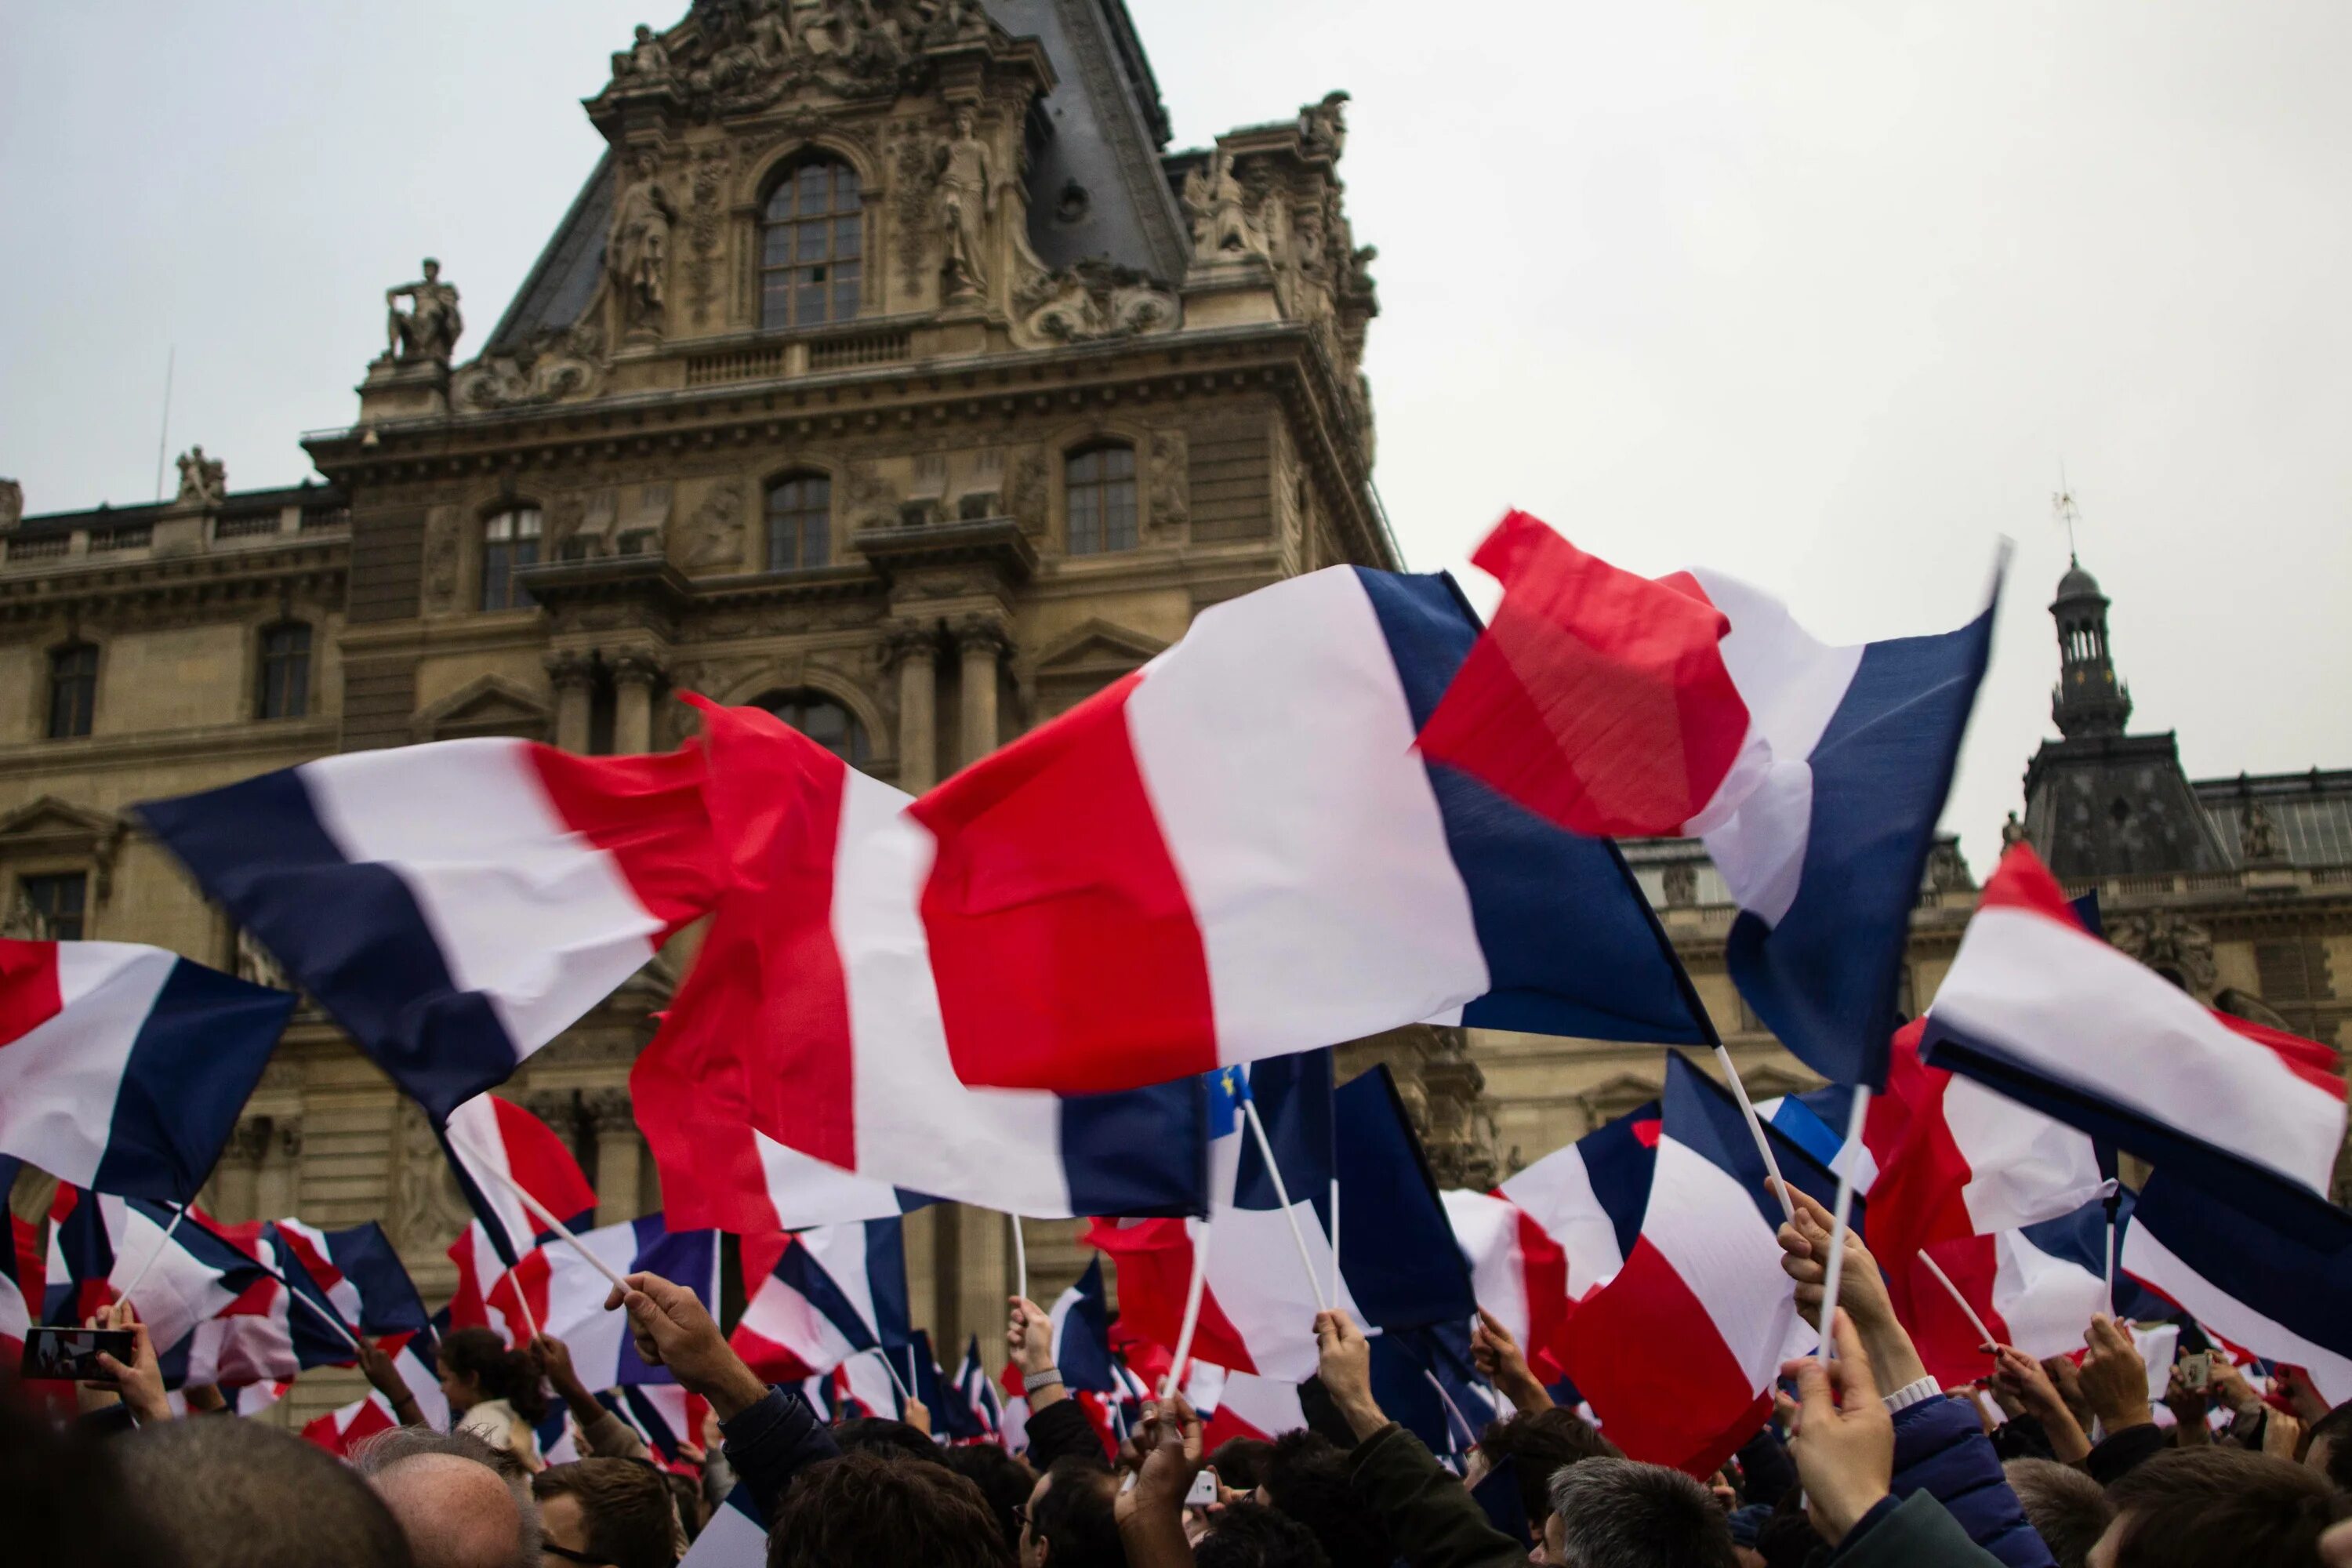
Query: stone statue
x=1680, y=885
x=1219, y=208
x=11, y=504
x=636, y=253
x=203, y=480
x=429, y=329
x=2258, y=837
x=966, y=201
x=2013, y=833
x=257, y=965
x=2180, y=950
x=1324, y=126
x=645, y=60
x=25, y=922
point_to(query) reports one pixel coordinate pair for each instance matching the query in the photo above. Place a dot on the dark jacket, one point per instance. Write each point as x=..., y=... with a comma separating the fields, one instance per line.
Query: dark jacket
x=1909, y=1532
x=2121, y=1452
x=1425, y=1508
x=1940, y=1449
x=1061, y=1431
x=772, y=1441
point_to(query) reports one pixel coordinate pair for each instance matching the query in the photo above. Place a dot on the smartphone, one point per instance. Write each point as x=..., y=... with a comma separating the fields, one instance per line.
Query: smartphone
x=2197, y=1368
x=70, y=1355
x=1203, y=1491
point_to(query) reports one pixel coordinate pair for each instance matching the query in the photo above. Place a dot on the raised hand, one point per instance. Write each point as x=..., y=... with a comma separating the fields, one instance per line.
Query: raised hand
x=2022, y=1379
x=673, y=1328
x=2114, y=1377
x=1150, y=1514
x=1344, y=1365
x=917, y=1415
x=1845, y=1442
x=1497, y=1355
x=1862, y=1289
x=140, y=1383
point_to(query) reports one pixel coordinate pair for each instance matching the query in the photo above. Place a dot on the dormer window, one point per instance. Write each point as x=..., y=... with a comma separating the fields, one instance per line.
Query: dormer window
x=812, y=267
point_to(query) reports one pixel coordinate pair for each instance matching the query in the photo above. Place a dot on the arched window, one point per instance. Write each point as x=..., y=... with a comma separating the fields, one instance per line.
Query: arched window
x=810, y=255
x=800, y=521
x=285, y=691
x=1100, y=484
x=73, y=689
x=509, y=543
x=824, y=721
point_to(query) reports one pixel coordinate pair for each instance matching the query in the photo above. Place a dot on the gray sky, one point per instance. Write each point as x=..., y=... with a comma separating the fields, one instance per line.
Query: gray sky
x=1820, y=294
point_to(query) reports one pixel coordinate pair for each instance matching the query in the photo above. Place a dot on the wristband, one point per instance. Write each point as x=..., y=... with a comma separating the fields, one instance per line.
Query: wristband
x=1033, y=1382
x=1912, y=1393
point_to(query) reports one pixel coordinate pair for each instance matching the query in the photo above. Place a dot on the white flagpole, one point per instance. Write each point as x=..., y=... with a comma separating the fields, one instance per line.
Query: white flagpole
x=1192, y=1298
x=1984, y=1333
x=1469, y=1433
x=540, y=1210
x=1755, y=1130
x=1835, y=1271
x=155, y=1255
x=1282, y=1197
x=1335, y=1236
x=890, y=1367
x=1020, y=1259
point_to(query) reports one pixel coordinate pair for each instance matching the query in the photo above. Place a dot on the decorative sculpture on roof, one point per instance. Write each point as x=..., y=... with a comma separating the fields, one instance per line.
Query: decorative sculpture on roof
x=1093, y=300
x=1324, y=126
x=11, y=504
x=204, y=481
x=965, y=203
x=552, y=365
x=2258, y=837
x=429, y=328
x=1223, y=228
x=637, y=255
x=644, y=61
x=2013, y=833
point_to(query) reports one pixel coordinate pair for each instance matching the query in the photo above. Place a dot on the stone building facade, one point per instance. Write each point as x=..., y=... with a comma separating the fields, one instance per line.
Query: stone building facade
x=890, y=370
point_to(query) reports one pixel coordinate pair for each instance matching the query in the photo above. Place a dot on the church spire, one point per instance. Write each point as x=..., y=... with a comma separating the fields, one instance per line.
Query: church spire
x=2089, y=699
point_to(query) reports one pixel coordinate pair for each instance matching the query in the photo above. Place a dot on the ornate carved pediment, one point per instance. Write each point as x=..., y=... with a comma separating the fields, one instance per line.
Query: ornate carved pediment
x=738, y=56
x=493, y=705
x=51, y=826
x=1096, y=650
x=551, y=367
x=1096, y=301
x=2180, y=950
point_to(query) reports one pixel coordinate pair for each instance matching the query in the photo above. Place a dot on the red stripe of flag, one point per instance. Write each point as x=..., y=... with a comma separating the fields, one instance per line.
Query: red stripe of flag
x=30, y=993
x=1667, y=1389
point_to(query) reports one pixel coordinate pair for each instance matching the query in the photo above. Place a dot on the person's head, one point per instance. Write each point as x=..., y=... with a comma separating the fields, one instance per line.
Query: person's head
x=2212, y=1505
x=2065, y=1507
x=1304, y=1478
x=1003, y=1480
x=461, y=1502
x=612, y=1511
x=1608, y=1512
x=477, y=1365
x=238, y=1492
x=1251, y=1535
x=693, y=1508
x=1240, y=1462
x=1539, y=1445
x=432, y=270
x=864, y=1509
x=1069, y=1522
x=2330, y=1451
x=892, y=1439
x=63, y=1496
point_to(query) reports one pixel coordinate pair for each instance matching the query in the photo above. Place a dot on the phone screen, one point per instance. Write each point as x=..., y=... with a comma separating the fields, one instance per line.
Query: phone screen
x=70, y=1355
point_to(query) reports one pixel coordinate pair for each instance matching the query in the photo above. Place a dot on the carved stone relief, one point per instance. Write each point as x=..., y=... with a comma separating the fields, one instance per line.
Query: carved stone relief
x=714, y=531
x=555, y=364
x=872, y=501
x=637, y=251
x=12, y=503
x=2180, y=949
x=444, y=552
x=1025, y=494
x=1093, y=300
x=913, y=173
x=713, y=168
x=1225, y=225
x=427, y=1208
x=1171, y=487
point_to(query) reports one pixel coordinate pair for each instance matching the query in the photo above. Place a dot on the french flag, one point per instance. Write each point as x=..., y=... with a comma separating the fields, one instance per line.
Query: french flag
x=1694, y=706
x=1558, y=1231
x=823, y=1297
x=412, y=1355
x=1237, y=853
x=24, y=1263
x=564, y=1294
x=1396, y=1267
x=1424, y=1380
x=2273, y=1276
x=805, y=1047
x=1680, y=1351
x=97, y=1241
x=486, y=1137
x=2035, y=1287
x=357, y=1272
x=123, y=1068
x=736, y=1537
x=977, y=1409
x=2039, y=1010
x=457, y=905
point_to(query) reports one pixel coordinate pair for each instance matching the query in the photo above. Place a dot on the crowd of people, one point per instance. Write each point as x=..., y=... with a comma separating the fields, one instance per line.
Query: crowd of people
x=1866, y=1461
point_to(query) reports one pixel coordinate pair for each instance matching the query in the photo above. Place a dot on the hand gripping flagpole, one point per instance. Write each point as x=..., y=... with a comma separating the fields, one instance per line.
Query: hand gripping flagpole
x=540, y=1209
x=1282, y=1193
x=1833, y=1274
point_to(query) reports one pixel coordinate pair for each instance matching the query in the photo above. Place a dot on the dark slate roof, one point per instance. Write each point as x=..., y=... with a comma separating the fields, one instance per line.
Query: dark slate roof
x=240, y=502
x=1100, y=130
x=2117, y=806
x=2313, y=812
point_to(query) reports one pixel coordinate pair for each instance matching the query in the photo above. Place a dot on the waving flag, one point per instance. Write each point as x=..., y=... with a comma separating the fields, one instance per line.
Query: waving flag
x=342, y=1430
x=565, y=1294
x=809, y=1019
x=485, y=1137
x=97, y=1241
x=1695, y=705
x=23, y=1264
x=123, y=1068
x=2274, y=1277
x=823, y=1297
x=1424, y=1380
x=1679, y=1351
x=2038, y=1009
x=736, y=1537
x=458, y=905
x=2035, y=1289
x=976, y=1409
x=357, y=1271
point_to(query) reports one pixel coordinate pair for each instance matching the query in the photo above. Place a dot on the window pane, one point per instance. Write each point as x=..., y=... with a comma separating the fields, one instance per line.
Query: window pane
x=1118, y=462
x=500, y=527
x=494, y=576
x=527, y=523
x=816, y=541
x=1119, y=506
x=845, y=186
x=815, y=191
x=808, y=304
x=780, y=202
x=1086, y=468
x=846, y=237
x=60, y=901
x=809, y=242
x=1086, y=521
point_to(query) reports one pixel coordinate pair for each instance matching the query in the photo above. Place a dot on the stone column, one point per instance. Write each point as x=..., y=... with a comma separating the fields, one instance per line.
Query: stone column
x=619, y=1154
x=915, y=650
x=277, y=1187
x=635, y=675
x=573, y=683
x=237, y=1182
x=983, y=642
